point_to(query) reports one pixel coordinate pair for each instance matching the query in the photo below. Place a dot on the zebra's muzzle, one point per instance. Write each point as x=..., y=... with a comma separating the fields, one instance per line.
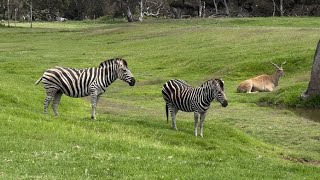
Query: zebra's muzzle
x=224, y=104
x=132, y=82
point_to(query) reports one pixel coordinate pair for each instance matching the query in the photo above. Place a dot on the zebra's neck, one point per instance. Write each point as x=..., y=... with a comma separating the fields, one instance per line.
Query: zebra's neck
x=207, y=96
x=108, y=76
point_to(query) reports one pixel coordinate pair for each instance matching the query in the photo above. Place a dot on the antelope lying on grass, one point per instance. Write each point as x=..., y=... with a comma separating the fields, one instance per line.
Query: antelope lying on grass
x=262, y=83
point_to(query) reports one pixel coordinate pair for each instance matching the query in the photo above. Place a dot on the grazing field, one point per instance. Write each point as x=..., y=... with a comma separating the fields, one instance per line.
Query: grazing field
x=130, y=138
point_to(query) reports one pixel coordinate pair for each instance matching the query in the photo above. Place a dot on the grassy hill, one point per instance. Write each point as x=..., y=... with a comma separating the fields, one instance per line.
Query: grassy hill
x=130, y=138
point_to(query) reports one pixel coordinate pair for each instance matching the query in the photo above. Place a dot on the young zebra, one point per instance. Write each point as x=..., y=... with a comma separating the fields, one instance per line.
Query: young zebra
x=83, y=82
x=178, y=95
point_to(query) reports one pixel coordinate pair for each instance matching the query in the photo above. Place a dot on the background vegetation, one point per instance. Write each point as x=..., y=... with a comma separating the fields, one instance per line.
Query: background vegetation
x=131, y=138
x=53, y=10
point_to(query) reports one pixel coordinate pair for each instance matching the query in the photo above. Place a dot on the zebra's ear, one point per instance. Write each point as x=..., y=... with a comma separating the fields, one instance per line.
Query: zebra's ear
x=118, y=63
x=221, y=83
x=220, y=80
x=121, y=62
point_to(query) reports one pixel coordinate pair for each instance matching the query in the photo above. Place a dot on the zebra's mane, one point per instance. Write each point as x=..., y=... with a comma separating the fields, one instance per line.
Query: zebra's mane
x=113, y=61
x=219, y=82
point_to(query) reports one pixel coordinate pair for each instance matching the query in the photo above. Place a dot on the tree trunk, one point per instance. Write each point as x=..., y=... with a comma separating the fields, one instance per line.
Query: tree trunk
x=129, y=14
x=281, y=7
x=200, y=8
x=226, y=5
x=31, y=14
x=215, y=6
x=204, y=9
x=274, y=8
x=8, y=13
x=176, y=12
x=15, y=17
x=314, y=83
x=141, y=11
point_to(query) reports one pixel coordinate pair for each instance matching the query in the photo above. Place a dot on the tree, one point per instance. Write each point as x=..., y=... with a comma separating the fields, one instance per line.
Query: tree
x=130, y=8
x=274, y=8
x=226, y=5
x=215, y=6
x=8, y=13
x=281, y=7
x=200, y=8
x=314, y=83
x=31, y=14
x=141, y=11
x=153, y=7
x=129, y=14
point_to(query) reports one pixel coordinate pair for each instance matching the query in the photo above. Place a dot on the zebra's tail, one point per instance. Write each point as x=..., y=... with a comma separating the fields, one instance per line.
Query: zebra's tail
x=38, y=81
x=167, y=112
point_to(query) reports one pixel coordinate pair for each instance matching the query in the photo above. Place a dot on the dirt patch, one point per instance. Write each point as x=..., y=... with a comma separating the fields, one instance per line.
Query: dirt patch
x=316, y=138
x=109, y=106
x=152, y=82
x=303, y=160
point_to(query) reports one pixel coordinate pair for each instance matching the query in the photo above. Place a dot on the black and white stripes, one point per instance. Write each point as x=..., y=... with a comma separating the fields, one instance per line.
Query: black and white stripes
x=83, y=82
x=178, y=95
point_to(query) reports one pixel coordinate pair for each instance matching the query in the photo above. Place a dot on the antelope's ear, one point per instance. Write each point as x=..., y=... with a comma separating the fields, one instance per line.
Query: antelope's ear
x=283, y=63
x=274, y=65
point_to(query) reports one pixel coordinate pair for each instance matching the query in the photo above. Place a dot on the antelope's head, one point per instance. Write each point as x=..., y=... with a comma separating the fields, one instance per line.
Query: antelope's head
x=279, y=70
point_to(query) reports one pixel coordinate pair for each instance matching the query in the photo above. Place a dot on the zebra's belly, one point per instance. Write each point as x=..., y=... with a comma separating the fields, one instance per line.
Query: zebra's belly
x=191, y=108
x=76, y=94
x=184, y=107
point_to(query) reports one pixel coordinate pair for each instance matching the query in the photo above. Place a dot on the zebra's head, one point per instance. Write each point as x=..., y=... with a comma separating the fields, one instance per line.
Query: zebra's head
x=124, y=73
x=216, y=91
x=220, y=95
x=120, y=68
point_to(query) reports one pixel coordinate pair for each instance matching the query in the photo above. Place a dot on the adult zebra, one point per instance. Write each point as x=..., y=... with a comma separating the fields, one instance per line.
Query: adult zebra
x=83, y=82
x=178, y=95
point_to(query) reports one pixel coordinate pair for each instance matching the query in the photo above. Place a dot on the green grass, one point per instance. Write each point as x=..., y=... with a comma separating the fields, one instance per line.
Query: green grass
x=130, y=138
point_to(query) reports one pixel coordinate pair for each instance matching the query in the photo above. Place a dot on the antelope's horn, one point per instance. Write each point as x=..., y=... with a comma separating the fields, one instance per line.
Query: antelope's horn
x=283, y=63
x=274, y=65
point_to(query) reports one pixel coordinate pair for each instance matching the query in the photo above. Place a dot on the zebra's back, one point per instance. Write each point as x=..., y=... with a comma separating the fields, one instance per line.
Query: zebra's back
x=180, y=94
x=72, y=82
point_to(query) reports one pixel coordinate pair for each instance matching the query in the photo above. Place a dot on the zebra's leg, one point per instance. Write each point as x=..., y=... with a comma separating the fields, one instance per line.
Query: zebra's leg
x=196, y=117
x=46, y=104
x=55, y=102
x=94, y=99
x=98, y=97
x=49, y=95
x=202, y=117
x=174, y=112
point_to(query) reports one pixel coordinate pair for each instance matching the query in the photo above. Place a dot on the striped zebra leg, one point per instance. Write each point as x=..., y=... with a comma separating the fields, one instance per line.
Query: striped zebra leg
x=50, y=94
x=46, y=104
x=174, y=112
x=94, y=101
x=55, y=102
x=196, y=118
x=202, y=117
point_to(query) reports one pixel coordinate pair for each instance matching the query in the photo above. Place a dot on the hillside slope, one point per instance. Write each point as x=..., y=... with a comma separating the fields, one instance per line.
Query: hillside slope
x=130, y=138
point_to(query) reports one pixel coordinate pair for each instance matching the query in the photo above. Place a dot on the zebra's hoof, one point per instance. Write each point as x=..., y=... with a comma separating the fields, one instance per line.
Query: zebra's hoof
x=93, y=117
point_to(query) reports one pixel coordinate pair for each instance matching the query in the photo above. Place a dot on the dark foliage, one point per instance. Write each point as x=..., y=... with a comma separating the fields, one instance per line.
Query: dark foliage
x=81, y=9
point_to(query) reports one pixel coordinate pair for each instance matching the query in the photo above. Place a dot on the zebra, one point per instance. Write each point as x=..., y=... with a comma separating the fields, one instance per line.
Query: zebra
x=83, y=82
x=179, y=95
